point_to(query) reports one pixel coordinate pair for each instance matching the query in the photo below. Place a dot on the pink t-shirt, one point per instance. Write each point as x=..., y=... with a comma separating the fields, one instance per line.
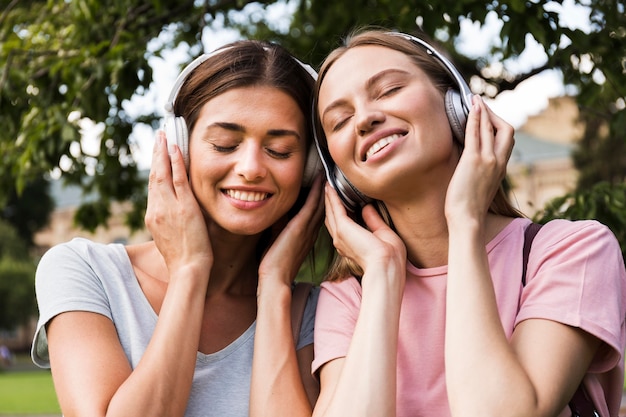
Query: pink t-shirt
x=576, y=276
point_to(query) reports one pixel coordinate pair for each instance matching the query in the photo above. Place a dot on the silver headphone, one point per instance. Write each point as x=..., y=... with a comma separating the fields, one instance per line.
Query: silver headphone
x=175, y=127
x=457, y=106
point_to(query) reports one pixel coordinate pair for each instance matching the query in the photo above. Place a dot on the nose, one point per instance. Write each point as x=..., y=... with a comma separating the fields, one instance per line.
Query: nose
x=250, y=163
x=367, y=117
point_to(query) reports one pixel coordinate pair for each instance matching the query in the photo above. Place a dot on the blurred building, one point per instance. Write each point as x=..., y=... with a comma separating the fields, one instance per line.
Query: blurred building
x=541, y=167
x=62, y=228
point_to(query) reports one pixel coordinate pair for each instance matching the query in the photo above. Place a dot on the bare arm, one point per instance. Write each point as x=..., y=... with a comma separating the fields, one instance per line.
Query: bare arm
x=91, y=372
x=92, y=375
x=364, y=382
x=536, y=373
x=277, y=388
x=282, y=384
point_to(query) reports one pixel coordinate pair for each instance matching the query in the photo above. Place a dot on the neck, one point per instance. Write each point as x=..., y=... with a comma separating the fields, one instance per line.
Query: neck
x=422, y=226
x=424, y=229
x=235, y=265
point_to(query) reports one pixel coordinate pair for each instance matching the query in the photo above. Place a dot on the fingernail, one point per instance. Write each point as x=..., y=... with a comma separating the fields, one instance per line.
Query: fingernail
x=171, y=149
x=476, y=103
x=157, y=140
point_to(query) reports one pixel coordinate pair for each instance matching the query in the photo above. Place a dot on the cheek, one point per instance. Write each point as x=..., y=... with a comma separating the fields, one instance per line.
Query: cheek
x=291, y=180
x=340, y=151
x=204, y=174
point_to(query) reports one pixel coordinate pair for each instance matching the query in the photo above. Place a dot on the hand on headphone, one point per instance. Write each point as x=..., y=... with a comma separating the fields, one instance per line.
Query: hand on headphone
x=173, y=215
x=375, y=245
x=482, y=165
x=295, y=240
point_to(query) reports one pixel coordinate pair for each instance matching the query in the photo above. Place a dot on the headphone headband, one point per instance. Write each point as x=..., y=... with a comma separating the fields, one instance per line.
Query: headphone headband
x=464, y=90
x=169, y=105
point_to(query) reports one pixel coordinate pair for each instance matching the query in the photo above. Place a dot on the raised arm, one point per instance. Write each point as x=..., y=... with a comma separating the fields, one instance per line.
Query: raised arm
x=364, y=382
x=537, y=372
x=282, y=384
x=91, y=372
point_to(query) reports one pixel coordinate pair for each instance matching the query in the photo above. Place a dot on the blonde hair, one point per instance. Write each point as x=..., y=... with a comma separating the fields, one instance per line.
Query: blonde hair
x=343, y=267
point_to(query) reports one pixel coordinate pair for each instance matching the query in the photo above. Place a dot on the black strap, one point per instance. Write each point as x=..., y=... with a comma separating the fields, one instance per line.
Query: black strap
x=580, y=404
x=529, y=235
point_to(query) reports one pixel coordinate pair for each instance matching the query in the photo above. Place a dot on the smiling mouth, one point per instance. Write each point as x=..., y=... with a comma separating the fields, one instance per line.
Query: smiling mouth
x=246, y=195
x=380, y=145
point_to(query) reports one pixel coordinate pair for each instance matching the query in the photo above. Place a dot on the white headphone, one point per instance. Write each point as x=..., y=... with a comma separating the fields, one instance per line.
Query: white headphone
x=175, y=127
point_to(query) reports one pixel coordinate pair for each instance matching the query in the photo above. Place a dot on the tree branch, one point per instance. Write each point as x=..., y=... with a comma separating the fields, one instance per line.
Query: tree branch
x=505, y=84
x=6, y=11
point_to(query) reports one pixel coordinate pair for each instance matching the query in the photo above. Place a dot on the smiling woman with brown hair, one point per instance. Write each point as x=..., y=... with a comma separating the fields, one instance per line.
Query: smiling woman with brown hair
x=197, y=322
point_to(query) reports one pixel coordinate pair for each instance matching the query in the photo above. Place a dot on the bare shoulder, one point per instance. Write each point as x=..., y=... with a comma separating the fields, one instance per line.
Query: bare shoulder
x=150, y=271
x=146, y=259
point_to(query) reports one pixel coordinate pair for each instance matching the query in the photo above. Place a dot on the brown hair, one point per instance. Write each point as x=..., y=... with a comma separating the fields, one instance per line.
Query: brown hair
x=244, y=64
x=440, y=78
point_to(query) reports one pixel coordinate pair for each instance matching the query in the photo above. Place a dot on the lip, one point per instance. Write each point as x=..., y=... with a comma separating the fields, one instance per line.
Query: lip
x=370, y=141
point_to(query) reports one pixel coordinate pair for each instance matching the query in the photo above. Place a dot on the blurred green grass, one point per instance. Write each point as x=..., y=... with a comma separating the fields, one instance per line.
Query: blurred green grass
x=27, y=392
x=25, y=389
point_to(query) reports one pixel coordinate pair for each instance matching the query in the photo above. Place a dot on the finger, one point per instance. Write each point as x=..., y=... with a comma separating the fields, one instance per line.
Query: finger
x=314, y=203
x=372, y=218
x=160, y=169
x=319, y=200
x=330, y=212
x=308, y=219
x=159, y=181
x=504, y=140
x=501, y=127
x=487, y=134
x=180, y=180
x=472, y=129
x=335, y=204
x=335, y=211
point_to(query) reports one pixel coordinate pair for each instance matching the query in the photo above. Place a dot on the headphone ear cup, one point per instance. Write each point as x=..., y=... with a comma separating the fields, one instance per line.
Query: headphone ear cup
x=312, y=166
x=352, y=198
x=176, y=133
x=182, y=138
x=457, y=114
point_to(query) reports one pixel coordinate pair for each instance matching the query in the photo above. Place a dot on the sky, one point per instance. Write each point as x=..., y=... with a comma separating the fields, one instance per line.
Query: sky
x=529, y=98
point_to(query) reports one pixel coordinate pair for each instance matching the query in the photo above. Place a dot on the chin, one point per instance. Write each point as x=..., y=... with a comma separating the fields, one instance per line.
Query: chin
x=245, y=227
x=245, y=230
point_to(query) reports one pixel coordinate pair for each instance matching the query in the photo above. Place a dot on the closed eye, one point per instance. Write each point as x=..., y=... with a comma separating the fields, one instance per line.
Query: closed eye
x=277, y=154
x=340, y=124
x=390, y=91
x=338, y=121
x=224, y=149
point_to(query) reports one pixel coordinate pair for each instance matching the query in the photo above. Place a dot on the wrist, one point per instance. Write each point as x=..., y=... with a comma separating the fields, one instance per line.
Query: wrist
x=273, y=290
x=465, y=226
x=191, y=274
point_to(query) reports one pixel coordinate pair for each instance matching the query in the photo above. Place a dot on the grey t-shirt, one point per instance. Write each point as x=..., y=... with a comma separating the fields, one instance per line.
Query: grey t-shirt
x=84, y=276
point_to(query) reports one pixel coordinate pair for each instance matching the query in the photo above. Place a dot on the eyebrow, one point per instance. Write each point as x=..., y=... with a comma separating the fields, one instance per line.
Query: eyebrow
x=373, y=80
x=236, y=127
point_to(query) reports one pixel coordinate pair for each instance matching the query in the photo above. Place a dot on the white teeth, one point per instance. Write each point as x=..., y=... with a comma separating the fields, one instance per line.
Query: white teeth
x=246, y=195
x=380, y=144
